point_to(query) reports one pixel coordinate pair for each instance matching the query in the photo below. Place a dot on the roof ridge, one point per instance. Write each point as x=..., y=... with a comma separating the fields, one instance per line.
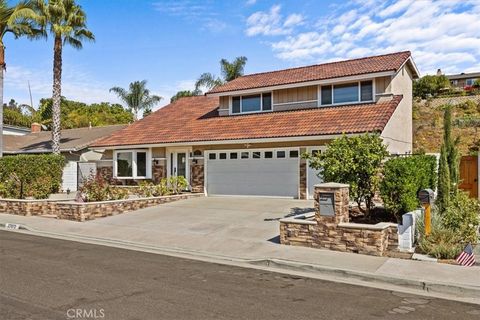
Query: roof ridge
x=324, y=64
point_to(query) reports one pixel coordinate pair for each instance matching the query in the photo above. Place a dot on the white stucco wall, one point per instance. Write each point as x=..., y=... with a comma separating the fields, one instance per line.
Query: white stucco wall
x=398, y=133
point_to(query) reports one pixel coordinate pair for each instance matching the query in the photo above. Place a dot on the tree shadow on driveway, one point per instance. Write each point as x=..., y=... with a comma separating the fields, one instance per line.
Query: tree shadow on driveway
x=293, y=212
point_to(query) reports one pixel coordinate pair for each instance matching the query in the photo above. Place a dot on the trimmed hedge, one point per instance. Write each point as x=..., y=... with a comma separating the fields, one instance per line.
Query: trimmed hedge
x=403, y=178
x=34, y=176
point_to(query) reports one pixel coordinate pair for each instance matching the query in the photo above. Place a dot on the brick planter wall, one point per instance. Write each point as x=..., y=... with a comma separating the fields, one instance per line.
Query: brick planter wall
x=27, y=207
x=78, y=211
x=335, y=232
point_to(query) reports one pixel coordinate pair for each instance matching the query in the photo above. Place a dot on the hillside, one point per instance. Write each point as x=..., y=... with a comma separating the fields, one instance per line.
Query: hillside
x=428, y=122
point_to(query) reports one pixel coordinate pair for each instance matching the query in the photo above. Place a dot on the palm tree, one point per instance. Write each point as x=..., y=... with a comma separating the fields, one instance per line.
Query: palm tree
x=66, y=22
x=137, y=97
x=184, y=93
x=229, y=70
x=17, y=20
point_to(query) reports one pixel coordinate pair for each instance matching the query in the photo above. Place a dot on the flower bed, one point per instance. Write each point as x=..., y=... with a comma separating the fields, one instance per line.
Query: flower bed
x=84, y=211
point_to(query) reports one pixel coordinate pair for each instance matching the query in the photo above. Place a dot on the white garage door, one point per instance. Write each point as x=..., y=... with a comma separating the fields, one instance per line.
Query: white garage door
x=253, y=172
x=69, y=177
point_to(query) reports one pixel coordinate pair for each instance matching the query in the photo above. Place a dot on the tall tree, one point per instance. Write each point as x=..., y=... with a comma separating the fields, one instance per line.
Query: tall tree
x=66, y=22
x=448, y=170
x=229, y=71
x=17, y=20
x=137, y=97
x=184, y=93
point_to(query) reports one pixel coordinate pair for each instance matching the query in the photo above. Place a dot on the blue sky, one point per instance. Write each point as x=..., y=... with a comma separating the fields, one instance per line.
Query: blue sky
x=170, y=43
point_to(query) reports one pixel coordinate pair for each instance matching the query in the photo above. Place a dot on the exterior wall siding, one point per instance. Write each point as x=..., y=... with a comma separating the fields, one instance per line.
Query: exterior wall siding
x=295, y=94
x=398, y=133
x=224, y=106
x=303, y=97
x=382, y=85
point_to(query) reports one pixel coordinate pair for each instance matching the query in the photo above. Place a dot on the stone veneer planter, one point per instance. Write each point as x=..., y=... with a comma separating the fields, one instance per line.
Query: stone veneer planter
x=335, y=232
x=83, y=211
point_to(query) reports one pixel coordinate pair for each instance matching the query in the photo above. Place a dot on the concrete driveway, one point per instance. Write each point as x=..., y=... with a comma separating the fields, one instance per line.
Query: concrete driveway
x=207, y=222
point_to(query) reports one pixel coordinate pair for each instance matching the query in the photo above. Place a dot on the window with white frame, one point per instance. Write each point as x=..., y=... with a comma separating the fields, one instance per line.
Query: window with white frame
x=252, y=103
x=470, y=82
x=131, y=164
x=360, y=91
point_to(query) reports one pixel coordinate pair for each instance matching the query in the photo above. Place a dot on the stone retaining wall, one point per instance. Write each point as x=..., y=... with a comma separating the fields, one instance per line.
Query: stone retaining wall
x=27, y=207
x=335, y=232
x=78, y=211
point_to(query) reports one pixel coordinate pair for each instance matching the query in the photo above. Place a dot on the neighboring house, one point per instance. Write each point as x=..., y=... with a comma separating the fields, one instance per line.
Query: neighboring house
x=73, y=145
x=246, y=137
x=462, y=80
x=10, y=130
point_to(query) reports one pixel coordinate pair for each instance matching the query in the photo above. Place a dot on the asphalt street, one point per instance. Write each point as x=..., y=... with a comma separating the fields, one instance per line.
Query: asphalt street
x=43, y=278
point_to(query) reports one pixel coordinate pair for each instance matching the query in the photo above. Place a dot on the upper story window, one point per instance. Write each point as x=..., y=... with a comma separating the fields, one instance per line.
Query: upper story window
x=252, y=103
x=361, y=91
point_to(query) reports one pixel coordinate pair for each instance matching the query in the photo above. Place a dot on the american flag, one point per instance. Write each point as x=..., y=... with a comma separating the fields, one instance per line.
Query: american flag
x=466, y=258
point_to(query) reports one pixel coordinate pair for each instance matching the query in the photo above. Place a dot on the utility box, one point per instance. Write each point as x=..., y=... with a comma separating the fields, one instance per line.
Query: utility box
x=426, y=196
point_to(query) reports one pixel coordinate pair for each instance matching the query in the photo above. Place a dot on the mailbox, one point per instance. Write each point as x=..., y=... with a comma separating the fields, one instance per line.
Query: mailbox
x=326, y=202
x=426, y=196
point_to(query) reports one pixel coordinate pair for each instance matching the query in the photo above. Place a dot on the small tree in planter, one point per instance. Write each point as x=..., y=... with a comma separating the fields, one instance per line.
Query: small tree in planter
x=449, y=166
x=356, y=161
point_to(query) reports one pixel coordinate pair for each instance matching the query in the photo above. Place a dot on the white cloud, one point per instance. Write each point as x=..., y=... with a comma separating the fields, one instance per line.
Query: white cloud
x=250, y=2
x=440, y=34
x=76, y=85
x=293, y=20
x=193, y=11
x=215, y=25
x=272, y=23
x=395, y=8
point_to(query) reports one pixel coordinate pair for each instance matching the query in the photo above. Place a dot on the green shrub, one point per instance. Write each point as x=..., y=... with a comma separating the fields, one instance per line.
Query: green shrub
x=353, y=160
x=442, y=243
x=98, y=189
x=172, y=185
x=177, y=184
x=403, y=178
x=462, y=216
x=149, y=189
x=31, y=175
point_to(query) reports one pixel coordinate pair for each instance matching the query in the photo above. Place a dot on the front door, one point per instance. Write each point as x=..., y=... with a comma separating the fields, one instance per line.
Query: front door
x=178, y=164
x=469, y=175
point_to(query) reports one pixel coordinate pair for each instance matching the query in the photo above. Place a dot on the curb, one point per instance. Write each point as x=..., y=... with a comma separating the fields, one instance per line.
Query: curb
x=451, y=291
x=470, y=292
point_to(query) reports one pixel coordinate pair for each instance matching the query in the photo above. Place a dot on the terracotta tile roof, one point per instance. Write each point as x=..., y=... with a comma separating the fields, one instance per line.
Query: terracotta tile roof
x=387, y=62
x=196, y=119
x=71, y=140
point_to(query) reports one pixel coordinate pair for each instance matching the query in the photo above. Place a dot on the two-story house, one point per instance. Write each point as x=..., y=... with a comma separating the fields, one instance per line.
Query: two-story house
x=246, y=137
